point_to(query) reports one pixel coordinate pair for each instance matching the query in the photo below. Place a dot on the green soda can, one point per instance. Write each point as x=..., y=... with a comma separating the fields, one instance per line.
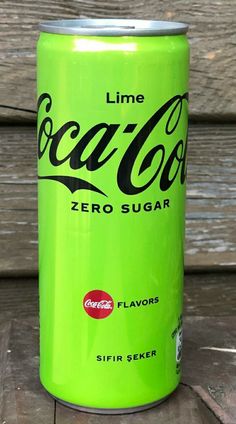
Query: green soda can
x=112, y=143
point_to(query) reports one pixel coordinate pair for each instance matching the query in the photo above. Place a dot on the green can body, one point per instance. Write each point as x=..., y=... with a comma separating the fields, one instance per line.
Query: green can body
x=112, y=140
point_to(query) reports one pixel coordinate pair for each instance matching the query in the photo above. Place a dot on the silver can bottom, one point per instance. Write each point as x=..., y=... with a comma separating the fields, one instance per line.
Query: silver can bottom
x=112, y=411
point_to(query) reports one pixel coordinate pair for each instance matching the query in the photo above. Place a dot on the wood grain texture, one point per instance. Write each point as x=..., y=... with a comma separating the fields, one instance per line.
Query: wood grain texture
x=211, y=193
x=23, y=401
x=212, y=37
x=211, y=196
x=212, y=294
x=5, y=327
x=18, y=298
x=209, y=362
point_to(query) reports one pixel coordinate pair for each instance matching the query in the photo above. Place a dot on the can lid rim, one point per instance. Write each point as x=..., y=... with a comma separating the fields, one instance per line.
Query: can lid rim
x=113, y=27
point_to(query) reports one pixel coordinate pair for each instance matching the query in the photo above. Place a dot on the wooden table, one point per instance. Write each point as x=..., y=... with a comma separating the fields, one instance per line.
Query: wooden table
x=206, y=395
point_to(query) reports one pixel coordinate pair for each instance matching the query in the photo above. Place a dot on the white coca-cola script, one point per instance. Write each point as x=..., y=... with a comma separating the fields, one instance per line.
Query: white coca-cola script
x=102, y=304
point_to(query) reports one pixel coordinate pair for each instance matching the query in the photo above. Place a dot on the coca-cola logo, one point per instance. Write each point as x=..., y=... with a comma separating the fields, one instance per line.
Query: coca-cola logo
x=167, y=165
x=98, y=304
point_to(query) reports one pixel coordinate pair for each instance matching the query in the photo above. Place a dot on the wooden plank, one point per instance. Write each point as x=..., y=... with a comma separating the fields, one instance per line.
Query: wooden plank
x=18, y=227
x=209, y=362
x=211, y=294
x=213, y=63
x=4, y=340
x=18, y=298
x=23, y=400
x=211, y=193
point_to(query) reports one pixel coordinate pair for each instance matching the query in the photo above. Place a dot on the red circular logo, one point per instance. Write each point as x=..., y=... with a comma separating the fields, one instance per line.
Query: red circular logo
x=98, y=304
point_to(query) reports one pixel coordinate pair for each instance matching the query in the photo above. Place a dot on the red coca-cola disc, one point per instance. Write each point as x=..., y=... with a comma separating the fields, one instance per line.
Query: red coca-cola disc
x=98, y=304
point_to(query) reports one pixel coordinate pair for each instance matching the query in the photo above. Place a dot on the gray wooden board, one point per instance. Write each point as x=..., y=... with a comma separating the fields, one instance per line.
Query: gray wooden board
x=212, y=38
x=209, y=362
x=211, y=194
x=212, y=294
x=207, y=394
x=22, y=399
x=18, y=298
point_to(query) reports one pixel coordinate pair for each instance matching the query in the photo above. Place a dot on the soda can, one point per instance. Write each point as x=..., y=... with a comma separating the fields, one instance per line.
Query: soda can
x=112, y=145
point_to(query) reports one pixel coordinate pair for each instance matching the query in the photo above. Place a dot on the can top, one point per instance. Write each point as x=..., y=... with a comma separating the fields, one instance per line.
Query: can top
x=113, y=27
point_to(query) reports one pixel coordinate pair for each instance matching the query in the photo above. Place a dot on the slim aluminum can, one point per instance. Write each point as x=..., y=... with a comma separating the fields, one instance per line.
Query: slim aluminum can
x=112, y=140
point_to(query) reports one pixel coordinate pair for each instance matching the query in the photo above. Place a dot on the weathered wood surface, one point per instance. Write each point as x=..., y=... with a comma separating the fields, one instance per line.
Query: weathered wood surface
x=212, y=37
x=212, y=294
x=18, y=298
x=22, y=400
x=209, y=362
x=211, y=206
x=207, y=394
